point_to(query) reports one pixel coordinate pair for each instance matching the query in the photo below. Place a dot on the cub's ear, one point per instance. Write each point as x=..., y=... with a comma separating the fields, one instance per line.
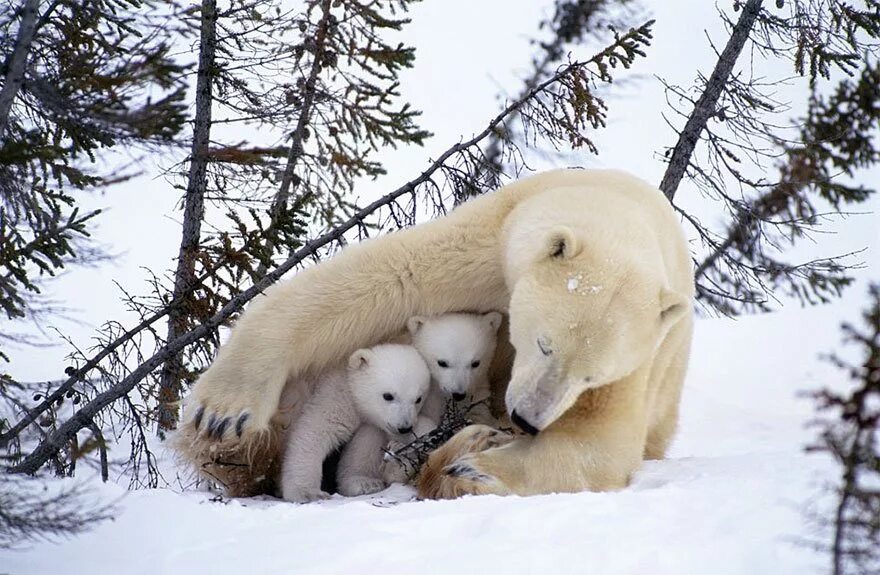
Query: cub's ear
x=360, y=359
x=672, y=307
x=493, y=318
x=561, y=243
x=414, y=324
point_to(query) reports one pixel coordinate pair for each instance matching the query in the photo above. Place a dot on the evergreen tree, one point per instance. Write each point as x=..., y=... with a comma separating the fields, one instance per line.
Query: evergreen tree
x=79, y=79
x=850, y=435
x=732, y=131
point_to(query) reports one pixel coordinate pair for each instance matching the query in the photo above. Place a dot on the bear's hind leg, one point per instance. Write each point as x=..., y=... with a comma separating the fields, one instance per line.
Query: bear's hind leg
x=360, y=467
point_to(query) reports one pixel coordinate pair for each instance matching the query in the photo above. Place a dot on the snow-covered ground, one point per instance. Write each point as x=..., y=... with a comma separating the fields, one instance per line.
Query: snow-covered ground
x=734, y=497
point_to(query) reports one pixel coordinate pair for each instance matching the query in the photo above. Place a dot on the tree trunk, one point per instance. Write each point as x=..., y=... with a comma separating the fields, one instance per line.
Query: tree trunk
x=193, y=212
x=17, y=61
x=705, y=106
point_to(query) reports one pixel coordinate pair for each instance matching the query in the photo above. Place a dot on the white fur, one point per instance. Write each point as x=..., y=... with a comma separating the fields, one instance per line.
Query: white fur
x=345, y=400
x=458, y=348
x=459, y=340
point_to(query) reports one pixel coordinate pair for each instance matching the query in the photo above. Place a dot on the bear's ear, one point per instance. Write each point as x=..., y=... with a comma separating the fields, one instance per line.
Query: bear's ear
x=561, y=243
x=414, y=324
x=360, y=359
x=493, y=318
x=672, y=307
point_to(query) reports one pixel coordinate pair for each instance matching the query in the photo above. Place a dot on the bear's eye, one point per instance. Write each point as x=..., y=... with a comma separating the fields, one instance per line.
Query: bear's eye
x=387, y=397
x=418, y=401
x=542, y=345
x=442, y=363
x=475, y=364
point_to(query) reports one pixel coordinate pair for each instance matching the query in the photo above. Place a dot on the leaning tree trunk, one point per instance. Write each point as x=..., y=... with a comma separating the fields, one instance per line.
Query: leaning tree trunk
x=705, y=106
x=17, y=61
x=193, y=212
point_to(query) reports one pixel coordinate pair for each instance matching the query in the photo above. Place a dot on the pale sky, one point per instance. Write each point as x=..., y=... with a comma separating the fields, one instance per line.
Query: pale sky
x=467, y=51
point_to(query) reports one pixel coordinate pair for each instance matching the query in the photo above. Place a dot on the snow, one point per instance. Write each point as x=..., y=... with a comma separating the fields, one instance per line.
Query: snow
x=734, y=497
x=574, y=286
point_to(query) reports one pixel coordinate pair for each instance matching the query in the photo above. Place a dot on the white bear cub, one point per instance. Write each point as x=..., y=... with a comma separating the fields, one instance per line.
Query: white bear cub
x=383, y=387
x=458, y=348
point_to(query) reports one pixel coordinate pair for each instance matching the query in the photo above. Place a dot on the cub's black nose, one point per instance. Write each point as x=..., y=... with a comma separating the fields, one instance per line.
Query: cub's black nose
x=523, y=424
x=404, y=430
x=458, y=396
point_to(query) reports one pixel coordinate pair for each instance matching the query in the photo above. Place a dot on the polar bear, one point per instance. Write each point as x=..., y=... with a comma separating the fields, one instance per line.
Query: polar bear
x=383, y=387
x=593, y=271
x=458, y=348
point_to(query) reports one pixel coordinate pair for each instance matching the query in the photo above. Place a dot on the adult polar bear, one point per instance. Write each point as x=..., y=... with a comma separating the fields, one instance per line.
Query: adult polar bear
x=591, y=267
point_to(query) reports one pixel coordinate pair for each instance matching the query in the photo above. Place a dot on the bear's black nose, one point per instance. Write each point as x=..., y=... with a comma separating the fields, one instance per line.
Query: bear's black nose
x=404, y=430
x=458, y=396
x=523, y=424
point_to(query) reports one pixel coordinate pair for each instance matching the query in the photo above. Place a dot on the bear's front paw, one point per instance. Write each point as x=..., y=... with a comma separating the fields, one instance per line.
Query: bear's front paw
x=464, y=476
x=476, y=438
x=304, y=494
x=467, y=469
x=208, y=420
x=462, y=465
x=360, y=485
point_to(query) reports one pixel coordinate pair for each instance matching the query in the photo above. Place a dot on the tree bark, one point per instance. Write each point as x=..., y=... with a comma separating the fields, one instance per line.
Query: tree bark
x=705, y=106
x=17, y=61
x=193, y=212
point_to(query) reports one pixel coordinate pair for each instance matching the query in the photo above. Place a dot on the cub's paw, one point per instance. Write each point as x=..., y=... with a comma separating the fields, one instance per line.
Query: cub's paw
x=360, y=485
x=304, y=494
x=396, y=471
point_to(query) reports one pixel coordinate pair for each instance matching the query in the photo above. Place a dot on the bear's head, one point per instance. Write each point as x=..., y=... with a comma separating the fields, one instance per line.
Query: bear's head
x=581, y=316
x=458, y=348
x=389, y=383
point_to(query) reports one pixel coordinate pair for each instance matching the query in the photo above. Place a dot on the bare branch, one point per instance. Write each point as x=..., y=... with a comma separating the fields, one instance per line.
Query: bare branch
x=705, y=107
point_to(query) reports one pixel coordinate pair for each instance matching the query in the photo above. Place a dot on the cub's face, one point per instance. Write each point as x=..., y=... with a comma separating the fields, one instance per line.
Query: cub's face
x=458, y=348
x=389, y=384
x=577, y=322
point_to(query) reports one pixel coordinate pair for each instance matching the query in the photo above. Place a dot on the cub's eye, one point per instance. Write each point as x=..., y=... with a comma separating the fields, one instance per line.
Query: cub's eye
x=418, y=401
x=475, y=364
x=545, y=349
x=387, y=397
x=442, y=363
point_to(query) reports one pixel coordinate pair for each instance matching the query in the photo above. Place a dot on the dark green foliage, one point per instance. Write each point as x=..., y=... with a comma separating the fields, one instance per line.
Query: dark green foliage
x=96, y=75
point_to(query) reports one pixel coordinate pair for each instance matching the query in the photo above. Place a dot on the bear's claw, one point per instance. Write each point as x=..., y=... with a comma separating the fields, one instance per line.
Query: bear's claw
x=209, y=428
x=221, y=428
x=465, y=470
x=239, y=425
x=197, y=420
x=216, y=426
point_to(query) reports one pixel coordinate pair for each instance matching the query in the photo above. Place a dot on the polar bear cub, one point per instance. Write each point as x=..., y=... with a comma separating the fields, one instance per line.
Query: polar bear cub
x=383, y=387
x=458, y=348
